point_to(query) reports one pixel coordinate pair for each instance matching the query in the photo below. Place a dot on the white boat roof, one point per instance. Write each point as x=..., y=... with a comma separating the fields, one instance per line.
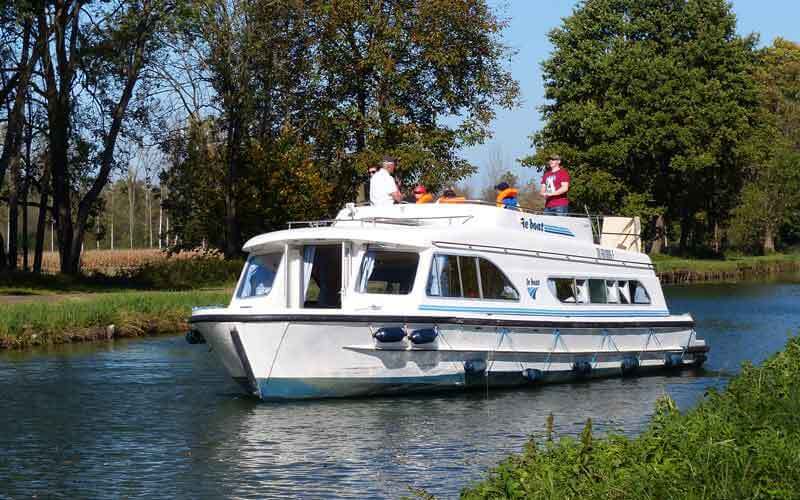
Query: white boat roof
x=426, y=225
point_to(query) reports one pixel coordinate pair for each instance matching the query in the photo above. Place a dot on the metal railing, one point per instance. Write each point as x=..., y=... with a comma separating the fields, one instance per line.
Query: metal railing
x=595, y=220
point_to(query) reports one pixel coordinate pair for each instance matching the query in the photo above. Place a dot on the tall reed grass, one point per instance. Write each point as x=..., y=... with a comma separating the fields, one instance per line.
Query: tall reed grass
x=742, y=442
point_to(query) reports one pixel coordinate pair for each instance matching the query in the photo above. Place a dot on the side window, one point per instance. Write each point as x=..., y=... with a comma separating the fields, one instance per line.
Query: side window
x=564, y=289
x=259, y=274
x=582, y=291
x=469, y=277
x=388, y=272
x=640, y=295
x=612, y=292
x=597, y=291
x=624, y=292
x=444, y=280
x=495, y=284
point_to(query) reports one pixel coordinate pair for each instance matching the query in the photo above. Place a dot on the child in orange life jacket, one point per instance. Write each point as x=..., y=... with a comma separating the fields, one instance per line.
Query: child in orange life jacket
x=506, y=196
x=422, y=195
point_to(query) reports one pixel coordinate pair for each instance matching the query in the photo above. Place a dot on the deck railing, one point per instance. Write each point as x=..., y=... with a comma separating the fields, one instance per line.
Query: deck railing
x=596, y=220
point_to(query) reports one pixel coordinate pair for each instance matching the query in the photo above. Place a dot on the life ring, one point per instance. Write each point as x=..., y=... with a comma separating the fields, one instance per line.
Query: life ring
x=506, y=193
x=425, y=198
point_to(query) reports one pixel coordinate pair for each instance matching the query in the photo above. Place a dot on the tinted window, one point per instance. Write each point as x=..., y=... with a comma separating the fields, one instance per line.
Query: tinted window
x=639, y=294
x=443, y=280
x=388, y=272
x=495, y=284
x=564, y=289
x=469, y=277
x=624, y=292
x=612, y=293
x=259, y=275
x=597, y=291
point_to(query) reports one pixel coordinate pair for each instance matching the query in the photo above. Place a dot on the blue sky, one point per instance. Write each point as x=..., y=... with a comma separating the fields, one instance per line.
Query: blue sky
x=531, y=20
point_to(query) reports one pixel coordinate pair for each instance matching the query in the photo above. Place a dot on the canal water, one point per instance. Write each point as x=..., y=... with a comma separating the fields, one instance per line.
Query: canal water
x=158, y=418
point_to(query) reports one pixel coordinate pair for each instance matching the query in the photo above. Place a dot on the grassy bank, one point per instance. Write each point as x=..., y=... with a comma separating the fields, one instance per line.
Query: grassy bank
x=742, y=442
x=132, y=314
x=682, y=270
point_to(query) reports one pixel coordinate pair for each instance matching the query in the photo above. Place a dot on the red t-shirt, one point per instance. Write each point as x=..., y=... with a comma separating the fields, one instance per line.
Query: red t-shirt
x=552, y=182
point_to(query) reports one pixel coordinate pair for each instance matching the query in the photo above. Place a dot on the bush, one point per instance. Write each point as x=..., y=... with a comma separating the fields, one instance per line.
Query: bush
x=199, y=271
x=742, y=442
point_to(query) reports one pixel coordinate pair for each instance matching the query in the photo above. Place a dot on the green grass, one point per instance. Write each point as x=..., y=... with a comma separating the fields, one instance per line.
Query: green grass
x=732, y=263
x=86, y=318
x=743, y=442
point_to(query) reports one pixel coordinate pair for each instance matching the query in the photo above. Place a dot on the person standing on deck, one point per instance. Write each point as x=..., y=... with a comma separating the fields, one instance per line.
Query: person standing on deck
x=555, y=184
x=382, y=186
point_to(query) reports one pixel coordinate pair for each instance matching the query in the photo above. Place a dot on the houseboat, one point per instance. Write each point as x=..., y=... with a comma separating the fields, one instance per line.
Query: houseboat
x=420, y=297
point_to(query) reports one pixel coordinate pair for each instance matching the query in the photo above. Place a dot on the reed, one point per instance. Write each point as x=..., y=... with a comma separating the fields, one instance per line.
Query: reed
x=741, y=442
x=89, y=318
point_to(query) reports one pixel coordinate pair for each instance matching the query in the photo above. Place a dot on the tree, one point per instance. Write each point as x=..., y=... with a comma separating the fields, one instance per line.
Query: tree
x=648, y=101
x=771, y=196
x=307, y=94
x=92, y=58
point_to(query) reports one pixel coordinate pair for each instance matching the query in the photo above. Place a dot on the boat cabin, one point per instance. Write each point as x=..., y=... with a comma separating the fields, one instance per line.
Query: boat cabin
x=445, y=258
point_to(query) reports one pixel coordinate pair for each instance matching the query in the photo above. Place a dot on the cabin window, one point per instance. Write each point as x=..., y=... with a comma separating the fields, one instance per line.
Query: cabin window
x=640, y=295
x=597, y=291
x=259, y=274
x=388, y=272
x=565, y=289
x=322, y=276
x=494, y=283
x=468, y=277
x=612, y=292
x=468, y=266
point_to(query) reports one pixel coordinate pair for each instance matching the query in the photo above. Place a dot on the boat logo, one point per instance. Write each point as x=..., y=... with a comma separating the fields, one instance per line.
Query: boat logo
x=533, y=287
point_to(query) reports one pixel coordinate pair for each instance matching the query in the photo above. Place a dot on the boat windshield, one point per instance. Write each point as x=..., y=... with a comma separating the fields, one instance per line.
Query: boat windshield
x=259, y=274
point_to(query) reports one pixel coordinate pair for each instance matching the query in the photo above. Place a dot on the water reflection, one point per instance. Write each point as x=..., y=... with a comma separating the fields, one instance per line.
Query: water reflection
x=158, y=418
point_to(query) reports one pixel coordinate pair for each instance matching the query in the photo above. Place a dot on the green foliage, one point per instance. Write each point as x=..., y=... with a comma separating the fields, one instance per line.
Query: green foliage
x=311, y=93
x=183, y=274
x=771, y=198
x=648, y=101
x=738, y=443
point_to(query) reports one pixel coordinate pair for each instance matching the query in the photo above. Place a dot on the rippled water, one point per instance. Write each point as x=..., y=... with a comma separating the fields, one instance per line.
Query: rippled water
x=158, y=418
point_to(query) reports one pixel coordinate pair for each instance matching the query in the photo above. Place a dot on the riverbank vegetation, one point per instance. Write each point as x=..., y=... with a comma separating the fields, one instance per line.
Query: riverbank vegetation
x=200, y=124
x=100, y=316
x=741, y=442
x=733, y=267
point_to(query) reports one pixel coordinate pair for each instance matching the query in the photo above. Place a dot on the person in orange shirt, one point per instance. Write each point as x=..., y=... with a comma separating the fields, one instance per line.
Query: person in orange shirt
x=421, y=195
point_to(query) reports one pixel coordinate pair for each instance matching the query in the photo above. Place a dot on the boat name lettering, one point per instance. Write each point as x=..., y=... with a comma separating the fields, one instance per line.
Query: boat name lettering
x=530, y=225
x=605, y=253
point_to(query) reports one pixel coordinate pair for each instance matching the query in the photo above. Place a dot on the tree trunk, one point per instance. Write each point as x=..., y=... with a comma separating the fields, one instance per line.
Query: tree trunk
x=13, y=213
x=658, y=242
x=41, y=221
x=112, y=217
x=25, y=227
x=769, y=240
x=233, y=236
x=685, y=228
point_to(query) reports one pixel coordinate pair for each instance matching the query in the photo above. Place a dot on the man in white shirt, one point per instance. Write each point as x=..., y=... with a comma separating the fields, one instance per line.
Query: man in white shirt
x=382, y=186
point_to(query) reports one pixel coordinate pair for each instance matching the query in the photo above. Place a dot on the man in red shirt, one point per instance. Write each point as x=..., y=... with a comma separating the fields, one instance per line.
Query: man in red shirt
x=555, y=184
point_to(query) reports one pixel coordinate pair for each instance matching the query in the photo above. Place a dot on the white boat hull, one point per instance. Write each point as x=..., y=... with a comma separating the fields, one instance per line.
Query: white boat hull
x=279, y=358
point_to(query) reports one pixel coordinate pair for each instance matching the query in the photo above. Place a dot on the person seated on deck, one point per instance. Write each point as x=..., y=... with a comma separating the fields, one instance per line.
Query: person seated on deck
x=449, y=196
x=506, y=196
x=421, y=195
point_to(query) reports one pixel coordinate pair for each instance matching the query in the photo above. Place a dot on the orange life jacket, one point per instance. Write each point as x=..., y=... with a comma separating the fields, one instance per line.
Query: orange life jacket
x=455, y=199
x=506, y=193
x=425, y=198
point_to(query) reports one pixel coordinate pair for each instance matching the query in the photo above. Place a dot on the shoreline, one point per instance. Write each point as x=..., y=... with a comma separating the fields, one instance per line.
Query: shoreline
x=672, y=271
x=104, y=316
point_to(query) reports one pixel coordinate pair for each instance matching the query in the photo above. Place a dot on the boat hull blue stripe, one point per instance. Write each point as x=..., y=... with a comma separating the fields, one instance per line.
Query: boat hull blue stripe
x=545, y=312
